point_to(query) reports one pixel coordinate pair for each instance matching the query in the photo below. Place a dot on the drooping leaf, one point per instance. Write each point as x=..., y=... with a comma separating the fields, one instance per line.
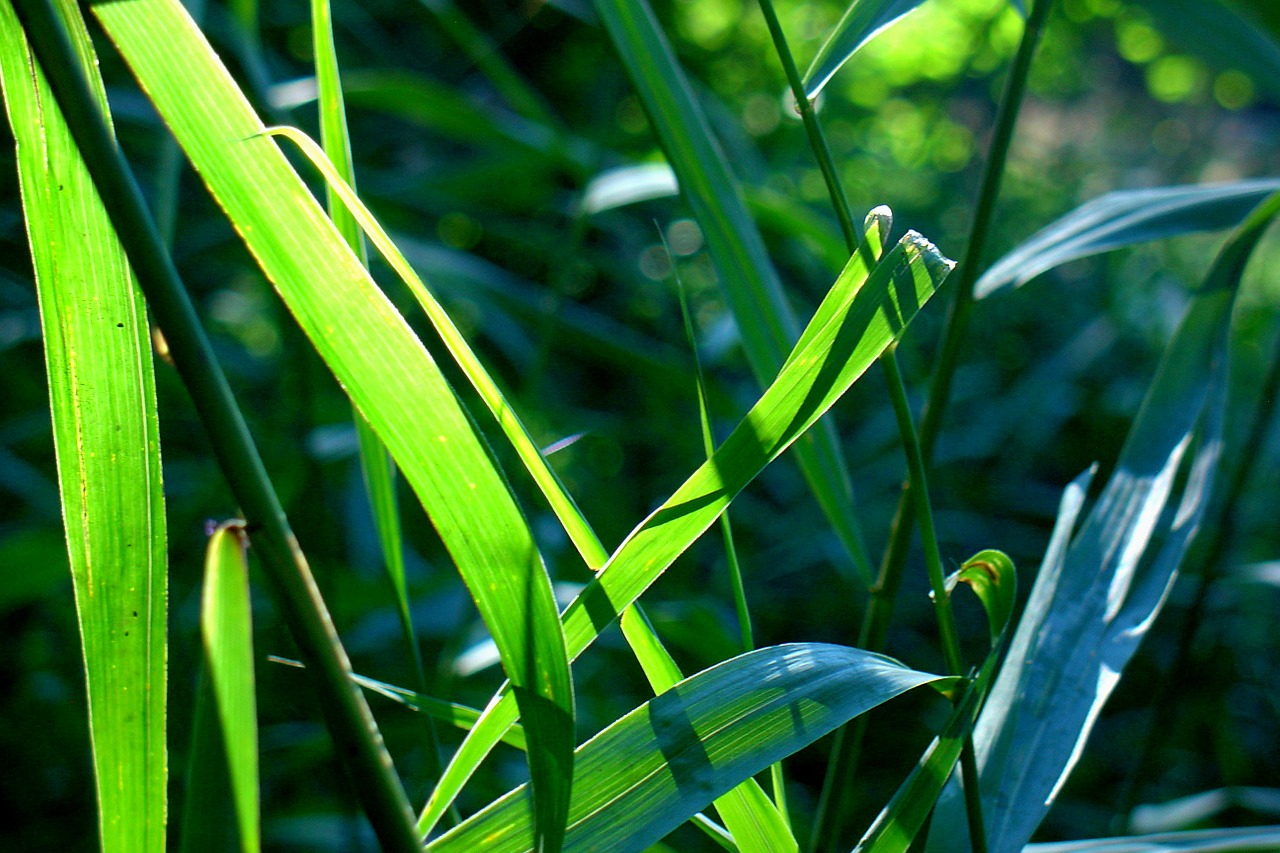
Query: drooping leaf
x=861, y=22
x=753, y=291
x=1095, y=599
x=380, y=363
x=222, y=811
x=656, y=767
x=1125, y=218
x=861, y=315
x=102, y=395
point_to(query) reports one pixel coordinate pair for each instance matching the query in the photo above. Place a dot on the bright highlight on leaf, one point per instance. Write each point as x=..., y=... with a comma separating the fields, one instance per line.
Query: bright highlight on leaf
x=97, y=348
x=861, y=22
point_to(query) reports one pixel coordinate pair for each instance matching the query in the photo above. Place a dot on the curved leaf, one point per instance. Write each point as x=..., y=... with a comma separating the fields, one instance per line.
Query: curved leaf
x=1125, y=218
x=994, y=579
x=861, y=22
x=656, y=767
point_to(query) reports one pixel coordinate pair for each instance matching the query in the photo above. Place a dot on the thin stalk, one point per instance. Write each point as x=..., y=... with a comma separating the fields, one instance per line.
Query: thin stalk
x=352, y=725
x=916, y=465
x=875, y=623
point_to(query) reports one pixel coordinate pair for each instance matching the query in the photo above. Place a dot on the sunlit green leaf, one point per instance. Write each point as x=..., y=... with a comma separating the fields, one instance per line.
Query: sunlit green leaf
x=222, y=811
x=994, y=579
x=381, y=364
x=859, y=318
x=102, y=395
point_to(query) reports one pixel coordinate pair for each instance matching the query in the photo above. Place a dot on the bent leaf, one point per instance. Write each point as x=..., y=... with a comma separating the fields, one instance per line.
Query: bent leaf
x=994, y=579
x=97, y=347
x=1125, y=218
x=859, y=318
x=656, y=767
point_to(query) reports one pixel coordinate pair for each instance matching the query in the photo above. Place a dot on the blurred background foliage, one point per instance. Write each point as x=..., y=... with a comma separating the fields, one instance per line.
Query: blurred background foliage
x=478, y=130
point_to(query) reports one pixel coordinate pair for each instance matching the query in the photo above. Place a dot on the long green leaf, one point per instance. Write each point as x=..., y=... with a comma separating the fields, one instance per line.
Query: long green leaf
x=861, y=22
x=1094, y=601
x=656, y=767
x=102, y=396
x=222, y=811
x=859, y=318
x=1125, y=218
x=760, y=308
x=380, y=363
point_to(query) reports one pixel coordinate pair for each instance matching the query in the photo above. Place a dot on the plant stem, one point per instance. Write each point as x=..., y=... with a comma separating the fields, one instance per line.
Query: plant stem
x=917, y=479
x=352, y=725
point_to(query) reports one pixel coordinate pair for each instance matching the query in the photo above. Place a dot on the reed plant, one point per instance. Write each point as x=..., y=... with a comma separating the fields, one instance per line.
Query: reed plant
x=452, y=356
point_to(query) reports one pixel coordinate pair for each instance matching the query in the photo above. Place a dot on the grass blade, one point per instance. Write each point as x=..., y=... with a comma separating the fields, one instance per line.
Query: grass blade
x=102, y=396
x=1125, y=218
x=656, y=767
x=222, y=811
x=861, y=22
x=752, y=288
x=380, y=363
x=1094, y=600
x=859, y=318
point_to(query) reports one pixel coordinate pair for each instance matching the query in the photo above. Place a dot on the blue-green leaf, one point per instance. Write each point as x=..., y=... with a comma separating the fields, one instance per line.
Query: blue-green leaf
x=861, y=22
x=656, y=767
x=1125, y=218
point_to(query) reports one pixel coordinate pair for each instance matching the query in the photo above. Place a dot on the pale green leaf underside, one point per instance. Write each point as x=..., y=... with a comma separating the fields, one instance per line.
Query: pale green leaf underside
x=1095, y=599
x=1125, y=218
x=380, y=363
x=102, y=396
x=1260, y=839
x=656, y=767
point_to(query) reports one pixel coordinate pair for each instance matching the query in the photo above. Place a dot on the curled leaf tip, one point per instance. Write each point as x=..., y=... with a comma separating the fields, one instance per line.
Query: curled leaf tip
x=994, y=579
